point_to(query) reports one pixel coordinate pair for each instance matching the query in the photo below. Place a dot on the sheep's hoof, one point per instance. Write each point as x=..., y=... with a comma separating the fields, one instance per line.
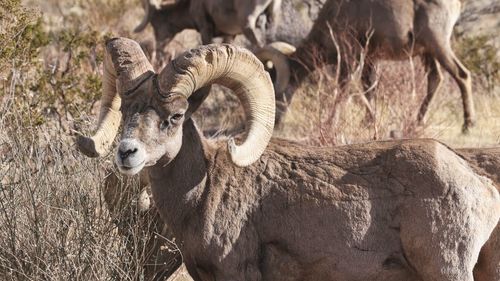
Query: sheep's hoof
x=396, y=134
x=466, y=128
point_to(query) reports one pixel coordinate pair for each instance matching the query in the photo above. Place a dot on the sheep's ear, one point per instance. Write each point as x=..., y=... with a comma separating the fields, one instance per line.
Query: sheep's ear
x=196, y=99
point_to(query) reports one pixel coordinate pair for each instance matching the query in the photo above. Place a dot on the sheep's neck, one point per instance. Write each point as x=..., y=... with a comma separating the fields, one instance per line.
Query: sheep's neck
x=178, y=187
x=299, y=71
x=305, y=61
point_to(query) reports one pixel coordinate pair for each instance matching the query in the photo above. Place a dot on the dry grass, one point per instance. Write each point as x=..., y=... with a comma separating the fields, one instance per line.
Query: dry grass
x=400, y=90
x=54, y=224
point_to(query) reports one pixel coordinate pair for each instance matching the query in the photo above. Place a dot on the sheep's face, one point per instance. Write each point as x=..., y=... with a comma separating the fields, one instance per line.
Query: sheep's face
x=152, y=128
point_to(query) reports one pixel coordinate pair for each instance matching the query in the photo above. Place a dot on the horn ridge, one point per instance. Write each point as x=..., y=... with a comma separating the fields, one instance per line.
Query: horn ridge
x=239, y=70
x=125, y=68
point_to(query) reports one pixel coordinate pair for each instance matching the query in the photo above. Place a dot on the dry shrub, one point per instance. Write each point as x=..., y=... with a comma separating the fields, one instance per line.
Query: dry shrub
x=322, y=113
x=331, y=108
x=482, y=59
x=54, y=223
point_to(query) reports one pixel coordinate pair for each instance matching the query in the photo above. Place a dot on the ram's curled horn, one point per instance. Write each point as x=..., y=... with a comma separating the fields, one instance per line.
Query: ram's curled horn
x=125, y=68
x=239, y=70
x=277, y=53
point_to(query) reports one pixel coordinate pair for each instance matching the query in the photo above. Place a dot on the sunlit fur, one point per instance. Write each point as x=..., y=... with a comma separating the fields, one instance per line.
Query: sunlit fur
x=153, y=124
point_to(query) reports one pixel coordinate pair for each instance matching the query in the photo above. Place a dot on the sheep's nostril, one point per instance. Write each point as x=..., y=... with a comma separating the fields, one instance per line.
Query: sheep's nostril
x=125, y=154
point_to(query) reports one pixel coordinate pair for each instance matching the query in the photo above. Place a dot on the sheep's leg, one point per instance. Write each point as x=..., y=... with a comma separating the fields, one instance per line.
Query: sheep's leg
x=488, y=265
x=273, y=17
x=161, y=58
x=228, y=39
x=342, y=97
x=436, y=37
x=250, y=31
x=281, y=109
x=434, y=79
x=462, y=76
x=207, y=34
x=283, y=101
x=162, y=38
x=205, y=26
x=368, y=79
x=248, y=15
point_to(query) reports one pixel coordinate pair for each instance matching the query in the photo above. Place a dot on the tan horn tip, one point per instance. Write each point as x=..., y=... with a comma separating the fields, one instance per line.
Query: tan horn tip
x=285, y=48
x=88, y=147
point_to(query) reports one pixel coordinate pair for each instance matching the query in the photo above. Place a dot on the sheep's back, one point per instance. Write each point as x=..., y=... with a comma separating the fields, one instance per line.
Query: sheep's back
x=358, y=197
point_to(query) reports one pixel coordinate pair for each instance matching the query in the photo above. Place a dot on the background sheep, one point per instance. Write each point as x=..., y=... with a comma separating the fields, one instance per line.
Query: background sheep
x=211, y=18
x=384, y=29
x=377, y=211
x=170, y=18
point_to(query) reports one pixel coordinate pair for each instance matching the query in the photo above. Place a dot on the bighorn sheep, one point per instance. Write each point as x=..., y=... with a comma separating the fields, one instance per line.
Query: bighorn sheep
x=385, y=29
x=296, y=18
x=271, y=209
x=210, y=17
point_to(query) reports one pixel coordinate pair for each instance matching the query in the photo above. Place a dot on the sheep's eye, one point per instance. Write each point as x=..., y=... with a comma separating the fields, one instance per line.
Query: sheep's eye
x=176, y=117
